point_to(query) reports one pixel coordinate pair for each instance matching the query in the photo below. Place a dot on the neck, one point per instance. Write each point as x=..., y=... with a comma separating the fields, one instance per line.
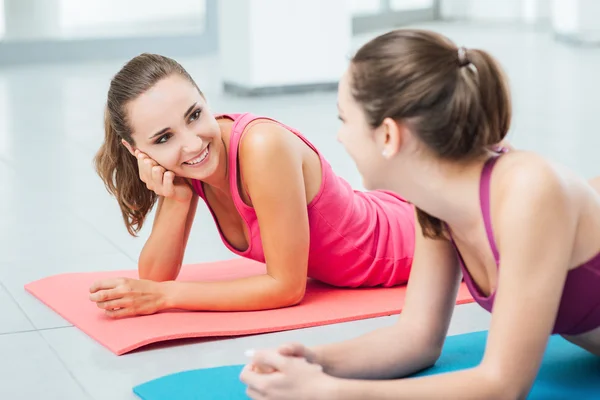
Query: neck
x=448, y=191
x=219, y=182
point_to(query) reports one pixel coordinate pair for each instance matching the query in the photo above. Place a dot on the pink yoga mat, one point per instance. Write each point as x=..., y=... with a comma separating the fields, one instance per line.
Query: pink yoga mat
x=68, y=295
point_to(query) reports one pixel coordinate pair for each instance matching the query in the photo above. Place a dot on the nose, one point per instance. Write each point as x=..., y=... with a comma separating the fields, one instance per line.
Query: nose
x=193, y=142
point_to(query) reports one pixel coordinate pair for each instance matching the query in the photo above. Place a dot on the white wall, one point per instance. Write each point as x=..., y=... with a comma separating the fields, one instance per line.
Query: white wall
x=83, y=13
x=30, y=19
x=2, y=24
x=531, y=11
x=266, y=43
x=577, y=19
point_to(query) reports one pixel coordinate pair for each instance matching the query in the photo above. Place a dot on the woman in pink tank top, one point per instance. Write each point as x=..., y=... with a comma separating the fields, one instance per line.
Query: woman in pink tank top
x=423, y=118
x=274, y=199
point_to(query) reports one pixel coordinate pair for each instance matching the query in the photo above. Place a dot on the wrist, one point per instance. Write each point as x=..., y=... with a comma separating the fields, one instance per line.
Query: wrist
x=331, y=389
x=317, y=357
x=168, y=295
x=174, y=201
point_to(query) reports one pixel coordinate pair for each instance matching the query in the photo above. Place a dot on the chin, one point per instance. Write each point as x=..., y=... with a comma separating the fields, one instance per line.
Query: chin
x=375, y=184
x=369, y=185
x=202, y=174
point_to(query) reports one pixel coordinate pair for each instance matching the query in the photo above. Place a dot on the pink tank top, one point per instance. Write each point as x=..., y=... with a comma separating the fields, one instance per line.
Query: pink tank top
x=356, y=238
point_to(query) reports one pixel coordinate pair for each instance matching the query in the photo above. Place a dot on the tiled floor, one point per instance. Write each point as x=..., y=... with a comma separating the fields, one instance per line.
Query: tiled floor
x=56, y=216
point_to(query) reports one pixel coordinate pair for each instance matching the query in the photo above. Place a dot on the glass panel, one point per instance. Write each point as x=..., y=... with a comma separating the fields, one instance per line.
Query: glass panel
x=2, y=24
x=362, y=7
x=106, y=18
x=399, y=5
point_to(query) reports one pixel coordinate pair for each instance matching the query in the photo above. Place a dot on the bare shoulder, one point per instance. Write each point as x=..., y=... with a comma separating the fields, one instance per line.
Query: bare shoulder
x=268, y=160
x=522, y=177
x=267, y=141
x=530, y=189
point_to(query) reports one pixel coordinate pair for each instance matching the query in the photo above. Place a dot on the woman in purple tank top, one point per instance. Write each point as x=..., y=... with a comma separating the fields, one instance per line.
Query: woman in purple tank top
x=422, y=117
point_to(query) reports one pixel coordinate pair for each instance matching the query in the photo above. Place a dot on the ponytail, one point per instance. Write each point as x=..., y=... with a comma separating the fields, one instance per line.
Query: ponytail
x=118, y=170
x=456, y=101
x=494, y=97
x=431, y=227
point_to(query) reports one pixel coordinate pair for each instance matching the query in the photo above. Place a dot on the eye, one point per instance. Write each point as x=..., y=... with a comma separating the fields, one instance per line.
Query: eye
x=163, y=138
x=195, y=115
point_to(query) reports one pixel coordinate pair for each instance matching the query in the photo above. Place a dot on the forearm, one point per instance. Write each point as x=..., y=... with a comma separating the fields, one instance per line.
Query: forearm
x=386, y=353
x=467, y=384
x=259, y=292
x=162, y=255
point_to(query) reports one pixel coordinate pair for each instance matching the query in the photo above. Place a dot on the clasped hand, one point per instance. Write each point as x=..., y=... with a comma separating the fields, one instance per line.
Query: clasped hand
x=287, y=373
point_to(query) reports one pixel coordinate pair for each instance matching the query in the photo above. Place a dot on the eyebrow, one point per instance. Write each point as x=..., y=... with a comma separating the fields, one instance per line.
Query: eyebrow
x=162, y=131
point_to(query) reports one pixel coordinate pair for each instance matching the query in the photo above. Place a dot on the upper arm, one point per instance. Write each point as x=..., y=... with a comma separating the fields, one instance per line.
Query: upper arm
x=272, y=170
x=535, y=230
x=432, y=289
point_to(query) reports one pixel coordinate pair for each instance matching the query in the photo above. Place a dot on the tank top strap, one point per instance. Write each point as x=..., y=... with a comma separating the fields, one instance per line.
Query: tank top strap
x=232, y=116
x=241, y=121
x=484, y=200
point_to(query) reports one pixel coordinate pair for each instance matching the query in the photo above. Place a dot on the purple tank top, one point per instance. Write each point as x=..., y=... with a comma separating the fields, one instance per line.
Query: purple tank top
x=579, y=309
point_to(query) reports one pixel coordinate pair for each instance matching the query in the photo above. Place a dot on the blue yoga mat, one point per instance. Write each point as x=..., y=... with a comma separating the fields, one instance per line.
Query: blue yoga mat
x=567, y=372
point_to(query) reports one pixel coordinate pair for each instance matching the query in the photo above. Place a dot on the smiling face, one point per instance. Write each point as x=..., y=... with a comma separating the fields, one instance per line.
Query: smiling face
x=171, y=123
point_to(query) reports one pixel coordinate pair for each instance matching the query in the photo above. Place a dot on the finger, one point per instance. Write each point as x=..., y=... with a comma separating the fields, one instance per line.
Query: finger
x=158, y=173
x=252, y=378
x=168, y=184
x=292, y=349
x=257, y=367
x=105, y=284
x=258, y=384
x=146, y=174
x=120, y=313
x=107, y=294
x=270, y=358
x=143, y=167
x=114, y=304
x=146, y=165
x=140, y=159
x=262, y=369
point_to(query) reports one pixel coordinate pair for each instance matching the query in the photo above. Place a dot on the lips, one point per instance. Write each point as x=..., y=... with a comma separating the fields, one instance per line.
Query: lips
x=199, y=158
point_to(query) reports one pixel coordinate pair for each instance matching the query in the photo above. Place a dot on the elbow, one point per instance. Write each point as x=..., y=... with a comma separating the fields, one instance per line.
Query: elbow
x=156, y=274
x=429, y=347
x=430, y=354
x=289, y=297
x=500, y=386
x=433, y=355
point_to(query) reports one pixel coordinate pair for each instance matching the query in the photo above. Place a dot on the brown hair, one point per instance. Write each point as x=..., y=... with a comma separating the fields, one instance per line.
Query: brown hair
x=117, y=168
x=455, y=100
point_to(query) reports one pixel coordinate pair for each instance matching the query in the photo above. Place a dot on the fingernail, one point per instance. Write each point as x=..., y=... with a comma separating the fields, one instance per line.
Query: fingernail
x=250, y=353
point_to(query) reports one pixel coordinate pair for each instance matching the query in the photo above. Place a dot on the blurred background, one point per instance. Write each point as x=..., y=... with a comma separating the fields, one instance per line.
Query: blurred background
x=278, y=58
